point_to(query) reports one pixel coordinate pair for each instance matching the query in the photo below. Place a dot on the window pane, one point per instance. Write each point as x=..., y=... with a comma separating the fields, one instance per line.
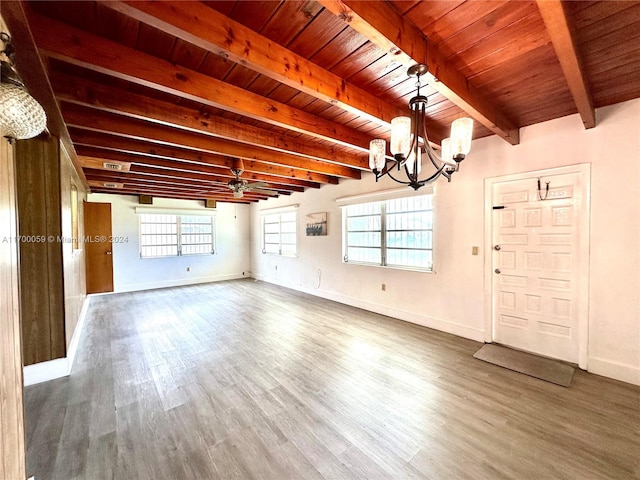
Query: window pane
x=272, y=238
x=289, y=217
x=409, y=239
x=271, y=227
x=288, y=227
x=196, y=235
x=364, y=209
x=405, y=224
x=158, y=235
x=410, y=258
x=369, y=255
x=364, y=223
x=271, y=248
x=364, y=233
x=363, y=239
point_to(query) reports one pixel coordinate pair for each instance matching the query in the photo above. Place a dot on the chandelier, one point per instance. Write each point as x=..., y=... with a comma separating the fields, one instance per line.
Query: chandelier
x=21, y=116
x=409, y=142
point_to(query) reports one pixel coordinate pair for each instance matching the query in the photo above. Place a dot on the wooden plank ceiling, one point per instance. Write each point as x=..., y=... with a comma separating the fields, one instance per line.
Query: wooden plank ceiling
x=172, y=95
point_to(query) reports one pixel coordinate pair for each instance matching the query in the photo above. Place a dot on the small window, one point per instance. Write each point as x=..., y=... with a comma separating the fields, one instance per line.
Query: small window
x=279, y=233
x=392, y=233
x=164, y=235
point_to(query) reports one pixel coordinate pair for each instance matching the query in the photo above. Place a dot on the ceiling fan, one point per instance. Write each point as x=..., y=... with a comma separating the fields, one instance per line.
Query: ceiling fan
x=239, y=186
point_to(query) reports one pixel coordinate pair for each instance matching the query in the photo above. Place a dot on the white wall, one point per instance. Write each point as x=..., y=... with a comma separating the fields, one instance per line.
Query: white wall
x=452, y=299
x=130, y=272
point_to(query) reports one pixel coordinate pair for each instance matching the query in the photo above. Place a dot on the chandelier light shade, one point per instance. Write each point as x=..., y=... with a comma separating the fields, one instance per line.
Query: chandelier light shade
x=461, y=131
x=410, y=144
x=400, y=135
x=377, y=148
x=21, y=116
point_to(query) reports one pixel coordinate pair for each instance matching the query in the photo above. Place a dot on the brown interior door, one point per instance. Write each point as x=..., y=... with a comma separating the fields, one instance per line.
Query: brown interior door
x=98, y=247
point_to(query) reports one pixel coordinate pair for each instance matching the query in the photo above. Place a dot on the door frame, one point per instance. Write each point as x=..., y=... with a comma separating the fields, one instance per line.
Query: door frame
x=584, y=169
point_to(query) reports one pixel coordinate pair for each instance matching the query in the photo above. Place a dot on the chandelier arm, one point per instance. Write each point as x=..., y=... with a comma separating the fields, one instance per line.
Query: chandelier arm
x=387, y=171
x=436, y=160
x=436, y=174
x=414, y=137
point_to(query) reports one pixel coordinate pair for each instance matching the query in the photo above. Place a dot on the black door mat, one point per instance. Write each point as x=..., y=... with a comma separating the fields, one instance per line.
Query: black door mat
x=539, y=367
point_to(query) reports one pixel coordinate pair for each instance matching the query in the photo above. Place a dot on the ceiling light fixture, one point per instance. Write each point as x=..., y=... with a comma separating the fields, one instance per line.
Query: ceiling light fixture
x=21, y=116
x=409, y=141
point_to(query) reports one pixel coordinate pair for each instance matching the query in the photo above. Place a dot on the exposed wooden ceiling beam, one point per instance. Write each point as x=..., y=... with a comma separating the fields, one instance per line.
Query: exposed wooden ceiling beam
x=105, y=184
x=102, y=183
x=384, y=26
x=110, y=99
x=90, y=119
x=185, y=177
x=111, y=146
x=72, y=45
x=90, y=161
x=162, y=194
x=557, y=24
x=34, y=75
x=98, y=177
x=156, y=194
x=221, y=180
x=169, y=183
x=200, y=25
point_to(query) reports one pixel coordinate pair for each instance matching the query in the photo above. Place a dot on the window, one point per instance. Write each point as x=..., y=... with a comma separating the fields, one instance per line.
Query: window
x=279, y=232
x=196, y=235
x=166, y=235
x=391, y=233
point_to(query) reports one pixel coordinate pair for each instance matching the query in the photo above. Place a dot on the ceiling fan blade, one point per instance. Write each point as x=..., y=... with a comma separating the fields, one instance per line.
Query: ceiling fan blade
x=255, y=185
x=261, y=191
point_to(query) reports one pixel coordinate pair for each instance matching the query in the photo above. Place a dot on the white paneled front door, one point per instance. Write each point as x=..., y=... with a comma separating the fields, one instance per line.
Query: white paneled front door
x=539, y=262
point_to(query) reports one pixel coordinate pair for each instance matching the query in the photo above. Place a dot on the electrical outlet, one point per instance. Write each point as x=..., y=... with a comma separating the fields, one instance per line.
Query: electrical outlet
x=188, y=269
x=384, y=287
x=474, y=250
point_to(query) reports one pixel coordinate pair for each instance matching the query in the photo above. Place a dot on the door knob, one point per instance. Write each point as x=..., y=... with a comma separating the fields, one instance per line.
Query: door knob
x=496, y=247
x=108, y=253
x=497, y=270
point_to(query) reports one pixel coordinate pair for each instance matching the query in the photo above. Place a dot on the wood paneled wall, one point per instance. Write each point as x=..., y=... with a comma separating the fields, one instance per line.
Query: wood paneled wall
x=12, y=444
x=41, y=266
x=73, y=260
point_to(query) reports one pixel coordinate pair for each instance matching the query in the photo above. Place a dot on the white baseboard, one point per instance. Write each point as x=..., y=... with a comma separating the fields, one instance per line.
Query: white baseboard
x=60, y=367
x=73, y=344
x=411, y=317
x=45, y=371
x=136, y=287
x=617, y=371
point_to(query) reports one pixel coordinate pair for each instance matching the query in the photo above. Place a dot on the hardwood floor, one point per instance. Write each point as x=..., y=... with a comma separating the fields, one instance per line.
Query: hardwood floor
x=248, y=380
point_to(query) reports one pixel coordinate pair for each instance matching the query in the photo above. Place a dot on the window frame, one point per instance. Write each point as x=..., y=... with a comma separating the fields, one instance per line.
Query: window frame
x=178, y=214
x=384, y=200
x=279, y=213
